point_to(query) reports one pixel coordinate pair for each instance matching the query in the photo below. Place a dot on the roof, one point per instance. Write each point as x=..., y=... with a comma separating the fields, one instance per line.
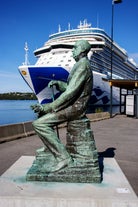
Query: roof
x=125, y=84
x=122, y=83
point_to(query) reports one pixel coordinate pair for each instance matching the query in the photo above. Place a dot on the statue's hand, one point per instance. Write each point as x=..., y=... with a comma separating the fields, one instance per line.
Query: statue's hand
x=60, y=85
x=52, y=83
x=37, y=108
x=41, y=109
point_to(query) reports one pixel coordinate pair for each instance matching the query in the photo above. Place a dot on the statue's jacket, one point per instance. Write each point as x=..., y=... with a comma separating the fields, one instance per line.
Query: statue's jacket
x=74, y=99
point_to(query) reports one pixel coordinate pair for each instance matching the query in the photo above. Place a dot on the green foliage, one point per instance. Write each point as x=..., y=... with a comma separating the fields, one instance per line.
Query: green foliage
x=17, y=96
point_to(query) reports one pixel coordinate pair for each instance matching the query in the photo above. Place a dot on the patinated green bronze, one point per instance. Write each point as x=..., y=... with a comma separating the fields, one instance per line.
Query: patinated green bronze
x=78, y=160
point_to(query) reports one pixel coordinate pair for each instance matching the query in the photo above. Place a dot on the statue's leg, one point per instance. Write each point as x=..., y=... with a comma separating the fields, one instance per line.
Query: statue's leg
x=44, y=127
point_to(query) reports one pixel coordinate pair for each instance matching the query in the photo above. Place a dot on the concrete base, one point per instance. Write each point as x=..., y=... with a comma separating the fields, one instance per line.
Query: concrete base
x=115, y=190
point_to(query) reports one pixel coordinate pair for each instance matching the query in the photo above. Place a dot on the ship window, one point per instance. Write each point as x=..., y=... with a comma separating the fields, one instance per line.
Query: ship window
x=61, y=60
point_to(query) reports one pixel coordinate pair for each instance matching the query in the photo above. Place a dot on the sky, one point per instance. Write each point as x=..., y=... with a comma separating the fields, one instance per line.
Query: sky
x=32, y=21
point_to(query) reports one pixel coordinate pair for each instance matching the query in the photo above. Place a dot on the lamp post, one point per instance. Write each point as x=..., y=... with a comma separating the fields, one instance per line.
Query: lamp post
x=112, y=36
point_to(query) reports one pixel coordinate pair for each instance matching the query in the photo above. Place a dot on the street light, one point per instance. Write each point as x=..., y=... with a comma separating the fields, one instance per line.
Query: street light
x=112, y=34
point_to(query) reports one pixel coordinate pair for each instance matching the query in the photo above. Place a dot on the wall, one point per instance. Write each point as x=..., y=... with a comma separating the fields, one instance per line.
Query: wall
x=16, y=131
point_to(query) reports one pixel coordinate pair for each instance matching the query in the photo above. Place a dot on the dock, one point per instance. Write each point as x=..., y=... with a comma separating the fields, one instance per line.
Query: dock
x=115, y=137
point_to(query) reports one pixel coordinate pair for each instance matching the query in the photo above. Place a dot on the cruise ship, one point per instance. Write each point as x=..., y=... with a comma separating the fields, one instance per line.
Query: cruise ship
x=55, y=61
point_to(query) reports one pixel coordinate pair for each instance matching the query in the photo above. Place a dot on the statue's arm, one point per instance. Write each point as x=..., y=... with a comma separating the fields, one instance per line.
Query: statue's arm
x=42, y=109
x=60, y=85
x=69, y=96
x=73, y=89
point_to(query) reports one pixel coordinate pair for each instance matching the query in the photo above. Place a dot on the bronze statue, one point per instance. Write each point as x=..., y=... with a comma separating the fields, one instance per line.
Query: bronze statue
x=71, y=105
x=78, y=160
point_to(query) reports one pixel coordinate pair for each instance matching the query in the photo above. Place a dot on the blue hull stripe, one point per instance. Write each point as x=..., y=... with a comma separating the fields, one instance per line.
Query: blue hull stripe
x=41, y=76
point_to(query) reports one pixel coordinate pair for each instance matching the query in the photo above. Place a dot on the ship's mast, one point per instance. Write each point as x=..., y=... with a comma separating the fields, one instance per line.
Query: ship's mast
x=84, y=25
x=26, y=54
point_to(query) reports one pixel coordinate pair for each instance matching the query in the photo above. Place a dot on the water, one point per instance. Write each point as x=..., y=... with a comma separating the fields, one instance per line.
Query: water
x=16, y=111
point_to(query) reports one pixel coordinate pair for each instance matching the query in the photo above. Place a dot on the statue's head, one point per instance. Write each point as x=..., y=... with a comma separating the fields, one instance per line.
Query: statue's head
x=81, y=46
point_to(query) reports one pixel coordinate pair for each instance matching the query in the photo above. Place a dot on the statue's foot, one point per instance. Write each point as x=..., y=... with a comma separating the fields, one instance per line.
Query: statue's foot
x=40, y=150
x=61, y=164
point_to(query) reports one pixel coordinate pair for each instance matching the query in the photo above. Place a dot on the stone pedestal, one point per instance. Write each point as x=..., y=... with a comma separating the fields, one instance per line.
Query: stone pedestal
x=81, y=143
x=114, y=191
x=81, y=146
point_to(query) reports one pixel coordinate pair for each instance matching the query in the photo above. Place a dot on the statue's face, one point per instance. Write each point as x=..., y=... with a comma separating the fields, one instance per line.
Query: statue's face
x=76, y=51
x=80, y=46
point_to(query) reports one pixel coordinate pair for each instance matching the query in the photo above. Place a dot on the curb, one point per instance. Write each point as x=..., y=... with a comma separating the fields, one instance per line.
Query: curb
x=15, y=131
x=25, y=129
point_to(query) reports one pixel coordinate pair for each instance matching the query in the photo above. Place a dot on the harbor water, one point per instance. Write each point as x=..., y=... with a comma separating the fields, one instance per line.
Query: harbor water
x=17, y=111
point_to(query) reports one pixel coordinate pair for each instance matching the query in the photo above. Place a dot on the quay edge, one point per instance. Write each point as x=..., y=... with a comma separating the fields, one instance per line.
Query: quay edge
x=15, y=131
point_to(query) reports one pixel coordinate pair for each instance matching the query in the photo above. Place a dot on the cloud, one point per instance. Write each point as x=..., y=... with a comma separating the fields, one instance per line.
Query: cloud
x=4, y=74
x=134, y=56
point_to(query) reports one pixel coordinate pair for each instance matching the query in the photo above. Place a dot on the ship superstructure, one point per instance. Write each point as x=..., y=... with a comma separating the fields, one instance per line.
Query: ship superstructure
x=55, y=62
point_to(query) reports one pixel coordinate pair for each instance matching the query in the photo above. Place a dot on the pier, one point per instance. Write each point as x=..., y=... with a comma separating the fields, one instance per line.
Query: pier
x=115, y=137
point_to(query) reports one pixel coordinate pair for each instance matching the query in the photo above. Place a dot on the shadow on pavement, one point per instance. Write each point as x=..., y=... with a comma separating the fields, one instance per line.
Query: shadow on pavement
x=109, y=152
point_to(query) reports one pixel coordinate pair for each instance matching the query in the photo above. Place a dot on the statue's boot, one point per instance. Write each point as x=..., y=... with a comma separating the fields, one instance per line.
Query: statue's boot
x=61, y=164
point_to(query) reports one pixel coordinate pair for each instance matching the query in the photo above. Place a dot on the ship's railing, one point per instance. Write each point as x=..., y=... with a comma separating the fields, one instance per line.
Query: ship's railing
x=78, y=31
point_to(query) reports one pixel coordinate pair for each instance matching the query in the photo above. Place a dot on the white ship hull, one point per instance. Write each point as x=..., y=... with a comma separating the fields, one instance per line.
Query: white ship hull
x=38, y=78
x=55, y=62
